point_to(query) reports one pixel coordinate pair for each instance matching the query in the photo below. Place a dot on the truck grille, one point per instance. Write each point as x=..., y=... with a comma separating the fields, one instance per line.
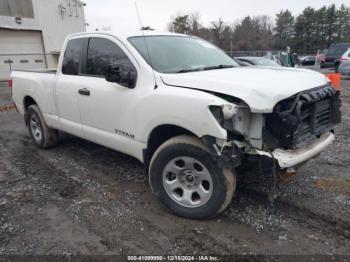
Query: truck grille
x=302, y=117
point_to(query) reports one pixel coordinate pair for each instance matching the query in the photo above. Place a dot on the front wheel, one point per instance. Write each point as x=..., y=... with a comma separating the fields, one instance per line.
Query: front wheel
x=187, y=180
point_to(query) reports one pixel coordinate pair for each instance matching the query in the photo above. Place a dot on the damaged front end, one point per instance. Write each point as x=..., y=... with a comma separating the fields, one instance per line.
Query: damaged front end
x=299, y=127
x=303, y=118
x=263, y=146
x=302, y=126
x=244, y=136
x=235, y=118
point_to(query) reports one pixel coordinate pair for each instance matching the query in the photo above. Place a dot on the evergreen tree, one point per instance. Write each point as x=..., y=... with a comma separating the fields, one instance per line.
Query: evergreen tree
x=321, y=21
x=331, y=24
x=284, y=30
x=180, y=24
x=306, y=33
x=343, y=23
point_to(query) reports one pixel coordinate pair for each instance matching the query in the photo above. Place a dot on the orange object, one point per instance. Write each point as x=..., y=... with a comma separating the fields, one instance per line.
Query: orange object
x=335, y=79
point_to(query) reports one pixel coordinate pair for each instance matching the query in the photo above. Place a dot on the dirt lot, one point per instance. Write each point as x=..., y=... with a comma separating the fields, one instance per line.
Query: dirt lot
x=80, y=198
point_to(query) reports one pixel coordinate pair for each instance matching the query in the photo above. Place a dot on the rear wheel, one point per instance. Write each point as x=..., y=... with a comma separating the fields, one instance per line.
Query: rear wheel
x=41, y=134
x=186, y=179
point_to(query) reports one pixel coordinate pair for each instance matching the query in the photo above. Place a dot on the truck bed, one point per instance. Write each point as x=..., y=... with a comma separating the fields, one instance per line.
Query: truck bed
x=37, y=84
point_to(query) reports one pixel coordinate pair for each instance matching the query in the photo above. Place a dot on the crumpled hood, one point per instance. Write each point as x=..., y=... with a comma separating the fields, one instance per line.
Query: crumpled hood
x=260, y=87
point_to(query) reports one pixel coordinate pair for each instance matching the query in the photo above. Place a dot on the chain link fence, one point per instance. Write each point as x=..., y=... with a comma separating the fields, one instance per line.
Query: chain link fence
x=281, y=57
x=267, y=54
x=278, y=56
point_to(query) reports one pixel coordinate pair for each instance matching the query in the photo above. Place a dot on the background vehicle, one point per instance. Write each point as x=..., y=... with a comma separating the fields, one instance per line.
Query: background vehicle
x=242, y=63
x=344, y=68
x=307, y=60
x=260, y=61
x=345, y=57
x=182, y=107
x=321, y=58
x=334, y=54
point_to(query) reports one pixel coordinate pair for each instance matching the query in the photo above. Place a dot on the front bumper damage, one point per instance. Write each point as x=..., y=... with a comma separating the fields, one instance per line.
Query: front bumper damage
x=260, y=170
x=291, y=158
x=274, y=145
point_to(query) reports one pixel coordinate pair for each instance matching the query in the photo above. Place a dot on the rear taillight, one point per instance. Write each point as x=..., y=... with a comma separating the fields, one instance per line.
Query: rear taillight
x=343, y=59
x=9, y=83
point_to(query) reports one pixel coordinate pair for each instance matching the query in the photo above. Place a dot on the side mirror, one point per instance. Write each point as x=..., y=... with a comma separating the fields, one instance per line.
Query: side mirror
x=121, y=74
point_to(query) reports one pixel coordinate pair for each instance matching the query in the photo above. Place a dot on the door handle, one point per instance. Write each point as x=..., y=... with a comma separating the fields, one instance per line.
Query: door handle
x=84, y=92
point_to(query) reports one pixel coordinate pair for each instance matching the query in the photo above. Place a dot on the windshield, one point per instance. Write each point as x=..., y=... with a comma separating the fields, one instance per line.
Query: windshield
x=181, y=54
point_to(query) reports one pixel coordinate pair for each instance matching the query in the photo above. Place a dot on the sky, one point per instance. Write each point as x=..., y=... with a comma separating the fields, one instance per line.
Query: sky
x=120, y=15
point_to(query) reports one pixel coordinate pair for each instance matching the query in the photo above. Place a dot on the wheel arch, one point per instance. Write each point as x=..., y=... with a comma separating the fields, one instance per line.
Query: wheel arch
x=28, y=101
x=158, y=136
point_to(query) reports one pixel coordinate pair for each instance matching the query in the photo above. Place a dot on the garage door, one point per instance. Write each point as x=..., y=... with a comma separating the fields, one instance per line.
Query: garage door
x=20, y=50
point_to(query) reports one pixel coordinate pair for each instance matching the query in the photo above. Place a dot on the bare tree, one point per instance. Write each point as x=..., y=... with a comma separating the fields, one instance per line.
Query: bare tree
x=254, y=33
x=248, y=34
x=194, y=24
x=217, y=28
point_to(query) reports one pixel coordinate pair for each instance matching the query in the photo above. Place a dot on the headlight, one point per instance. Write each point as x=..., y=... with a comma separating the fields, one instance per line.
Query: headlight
x=229, y=110
x=218, y=114
x=235, y=118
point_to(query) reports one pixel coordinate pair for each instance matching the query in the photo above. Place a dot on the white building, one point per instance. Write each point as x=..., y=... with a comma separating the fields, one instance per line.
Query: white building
x=32, y=32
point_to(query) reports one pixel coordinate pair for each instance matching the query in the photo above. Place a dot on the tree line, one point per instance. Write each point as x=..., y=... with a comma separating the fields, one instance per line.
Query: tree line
x=312, y=30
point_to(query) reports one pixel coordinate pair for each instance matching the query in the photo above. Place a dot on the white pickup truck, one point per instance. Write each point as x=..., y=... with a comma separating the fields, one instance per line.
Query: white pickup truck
x=182, y=107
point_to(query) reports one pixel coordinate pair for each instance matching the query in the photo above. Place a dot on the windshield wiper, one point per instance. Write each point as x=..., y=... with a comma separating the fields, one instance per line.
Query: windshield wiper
x=204, y=68
x=189, y=70
x=218, y=67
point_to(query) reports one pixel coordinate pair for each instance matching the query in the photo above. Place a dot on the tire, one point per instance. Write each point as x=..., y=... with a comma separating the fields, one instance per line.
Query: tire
x=42, y=135
x=186, y=179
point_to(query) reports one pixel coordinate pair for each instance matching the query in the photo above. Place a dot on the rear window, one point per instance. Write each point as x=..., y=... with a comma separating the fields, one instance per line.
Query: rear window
x=72, y=55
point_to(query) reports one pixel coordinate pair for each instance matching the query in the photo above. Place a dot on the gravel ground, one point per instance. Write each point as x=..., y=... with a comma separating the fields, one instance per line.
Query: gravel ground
x=5, y=98
x=80, y=198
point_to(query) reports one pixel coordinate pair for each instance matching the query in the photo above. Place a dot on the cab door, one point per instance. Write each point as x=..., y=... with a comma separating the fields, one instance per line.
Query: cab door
x=68, y=87
x=105, y=109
